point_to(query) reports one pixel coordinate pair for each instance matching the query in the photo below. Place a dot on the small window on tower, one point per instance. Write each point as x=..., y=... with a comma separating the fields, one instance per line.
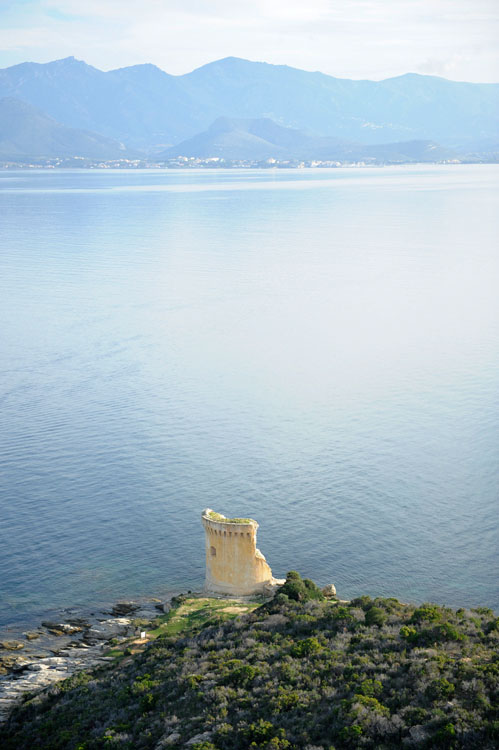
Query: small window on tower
x=213, y=551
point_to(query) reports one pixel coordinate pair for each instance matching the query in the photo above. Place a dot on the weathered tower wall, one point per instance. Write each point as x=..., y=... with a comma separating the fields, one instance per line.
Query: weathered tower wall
x=233, y=563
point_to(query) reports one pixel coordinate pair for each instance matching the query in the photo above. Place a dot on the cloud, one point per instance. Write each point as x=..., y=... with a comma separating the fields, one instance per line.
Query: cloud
x=349, y=38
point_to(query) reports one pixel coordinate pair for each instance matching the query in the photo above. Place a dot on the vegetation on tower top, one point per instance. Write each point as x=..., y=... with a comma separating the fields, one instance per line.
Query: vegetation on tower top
x=219, y=518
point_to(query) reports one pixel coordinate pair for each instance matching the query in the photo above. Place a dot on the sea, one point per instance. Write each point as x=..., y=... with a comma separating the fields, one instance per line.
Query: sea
x=315, y=348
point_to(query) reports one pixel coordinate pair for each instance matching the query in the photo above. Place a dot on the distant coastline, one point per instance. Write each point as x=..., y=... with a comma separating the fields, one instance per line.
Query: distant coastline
x=214, y=163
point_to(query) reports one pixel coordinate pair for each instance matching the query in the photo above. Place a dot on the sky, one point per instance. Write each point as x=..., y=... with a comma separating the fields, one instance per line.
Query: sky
x=375, y=39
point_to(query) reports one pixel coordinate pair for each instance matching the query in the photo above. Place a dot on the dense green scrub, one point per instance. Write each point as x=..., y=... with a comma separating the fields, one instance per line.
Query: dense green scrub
x=298, y=672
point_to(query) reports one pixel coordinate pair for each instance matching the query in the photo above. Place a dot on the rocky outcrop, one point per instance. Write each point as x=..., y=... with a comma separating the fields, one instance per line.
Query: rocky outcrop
x=329, y=590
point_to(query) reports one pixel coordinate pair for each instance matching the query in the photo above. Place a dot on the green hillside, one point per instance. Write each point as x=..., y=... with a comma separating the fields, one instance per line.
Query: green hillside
x=297, y=672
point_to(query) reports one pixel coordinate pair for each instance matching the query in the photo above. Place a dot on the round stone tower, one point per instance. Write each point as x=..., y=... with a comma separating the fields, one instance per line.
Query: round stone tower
x=233, y=563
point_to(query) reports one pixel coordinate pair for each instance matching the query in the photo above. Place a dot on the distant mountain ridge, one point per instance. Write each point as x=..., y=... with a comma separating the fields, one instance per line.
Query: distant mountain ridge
x=146, y=108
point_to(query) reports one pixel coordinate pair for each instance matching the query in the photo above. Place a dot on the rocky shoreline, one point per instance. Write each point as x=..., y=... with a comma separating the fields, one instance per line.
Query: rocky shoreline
x=35, y=659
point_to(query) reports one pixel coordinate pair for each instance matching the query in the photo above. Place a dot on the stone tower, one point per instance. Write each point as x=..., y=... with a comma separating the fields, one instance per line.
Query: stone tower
x=233, y=563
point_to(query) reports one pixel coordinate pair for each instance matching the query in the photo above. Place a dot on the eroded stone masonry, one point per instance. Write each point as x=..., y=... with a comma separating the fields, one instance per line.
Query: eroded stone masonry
x=234, y=565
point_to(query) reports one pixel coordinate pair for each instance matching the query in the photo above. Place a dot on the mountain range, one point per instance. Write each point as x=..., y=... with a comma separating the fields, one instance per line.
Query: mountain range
x=150, y=111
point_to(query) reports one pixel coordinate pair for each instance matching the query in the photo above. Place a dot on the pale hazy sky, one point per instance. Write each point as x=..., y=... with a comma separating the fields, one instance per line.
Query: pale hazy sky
x=374, y=39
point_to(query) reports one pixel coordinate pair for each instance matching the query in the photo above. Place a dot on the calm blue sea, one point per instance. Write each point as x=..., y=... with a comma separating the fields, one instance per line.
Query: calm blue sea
x=318, y=349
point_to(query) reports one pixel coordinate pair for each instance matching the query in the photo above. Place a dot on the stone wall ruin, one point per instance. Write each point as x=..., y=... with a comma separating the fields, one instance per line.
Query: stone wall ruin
x=234, y=565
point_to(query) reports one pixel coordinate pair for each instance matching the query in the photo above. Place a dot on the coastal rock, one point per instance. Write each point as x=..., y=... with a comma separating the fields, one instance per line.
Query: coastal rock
x=78, y=622
x=31, y=636
x=61, y=653
x=329, y=590
x=108, y=629
x=56, y=650
x=61, y=628
x=13, y=691
x=65, y=646
x=11, y=645
x=13, y=663
x=124, y=608
x=52, y=625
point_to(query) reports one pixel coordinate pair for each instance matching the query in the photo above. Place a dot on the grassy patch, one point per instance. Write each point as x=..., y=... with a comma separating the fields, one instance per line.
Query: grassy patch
x=192, y=615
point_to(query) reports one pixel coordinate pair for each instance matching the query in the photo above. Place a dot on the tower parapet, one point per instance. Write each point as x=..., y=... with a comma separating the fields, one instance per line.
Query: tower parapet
x=234, y=565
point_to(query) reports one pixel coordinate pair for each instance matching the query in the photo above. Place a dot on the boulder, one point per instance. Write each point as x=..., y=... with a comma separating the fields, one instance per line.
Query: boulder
x=103, y=631
x=12, y=645
x=61, y=628
x=13, y=663
x=329, y=590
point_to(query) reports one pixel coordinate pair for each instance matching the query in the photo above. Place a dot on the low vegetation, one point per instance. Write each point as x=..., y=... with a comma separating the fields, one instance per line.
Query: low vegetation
x=213, y=516
x=297, y=672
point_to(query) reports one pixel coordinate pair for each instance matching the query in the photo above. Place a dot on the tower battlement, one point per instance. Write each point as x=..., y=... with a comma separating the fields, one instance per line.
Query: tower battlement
x=234, y=565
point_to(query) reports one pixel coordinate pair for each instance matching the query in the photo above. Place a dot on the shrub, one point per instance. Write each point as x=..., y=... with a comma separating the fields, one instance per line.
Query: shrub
x=342, y=613
x=364, y=602
x=306, y=647
x=351, y=734
x=313, y=591
x=426, y=613
x=446, y=736
x=408, y=633
x=298, y=590
x=440, y=689
x=447, y=632
x=371, y=687
x=375, y=616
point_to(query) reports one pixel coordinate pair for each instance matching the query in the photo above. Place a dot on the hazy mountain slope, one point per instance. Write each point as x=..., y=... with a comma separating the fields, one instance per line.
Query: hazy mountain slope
x=25, y=131
x=256, y=139
x=69, y=90
x=229, y=139
x=261, y=139
x=146, y=107
x=152, y=109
